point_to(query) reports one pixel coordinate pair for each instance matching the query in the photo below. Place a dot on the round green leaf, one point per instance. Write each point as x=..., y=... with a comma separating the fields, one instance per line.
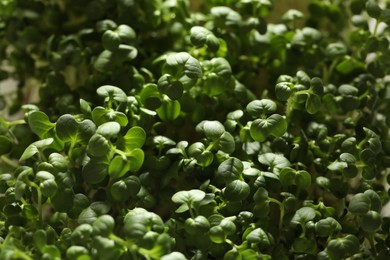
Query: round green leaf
x=126, y=34
x=213, y=129
x=136, y=159
x=260, y=237
x=98, y=146
x=372, y=221
x=181, y=63
x=230, y=169
x=112, y=92
x=66, y=127
x=303, y=215
x=359, y=204
x=201, y=36
x=227, y=143
x=274, y=125
x=258, y=108
x=341, y=248
x=119, y=191
x=188, y=197
x=48, y=187
x=283, y=90
x=76, y=252
x=118, y=167
x=313, y=104
x=327, y=227
x=134, y=138
x=169, y=110
x=199, y=225
x=236, y=190
x=103, y=225
x=217, y=235
x=111, y=40
x=109, y=129
x=94, y=172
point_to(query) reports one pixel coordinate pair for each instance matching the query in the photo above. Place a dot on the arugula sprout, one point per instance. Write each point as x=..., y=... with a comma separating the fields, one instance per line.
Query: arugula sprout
x=193, y=129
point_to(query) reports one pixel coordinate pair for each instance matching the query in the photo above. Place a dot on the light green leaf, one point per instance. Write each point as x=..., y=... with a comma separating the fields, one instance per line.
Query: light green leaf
x=109, y=129
x=112, y=92
x=181, y=63
x=40, y=124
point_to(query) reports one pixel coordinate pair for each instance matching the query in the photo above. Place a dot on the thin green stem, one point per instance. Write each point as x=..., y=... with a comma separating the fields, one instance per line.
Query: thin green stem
x=130, y=246
x=39, y=195
x=375, y=27
x=370, y=237
x=9, y=162
x=281, y=207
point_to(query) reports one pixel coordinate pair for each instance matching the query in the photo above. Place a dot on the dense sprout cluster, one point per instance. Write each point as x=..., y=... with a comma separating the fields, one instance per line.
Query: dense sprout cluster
x=164, y=132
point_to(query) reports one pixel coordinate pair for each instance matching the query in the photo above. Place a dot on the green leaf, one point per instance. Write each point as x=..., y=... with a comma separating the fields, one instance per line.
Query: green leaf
x=236, y=190
x=62, y=201
x=134, y=138
x=373, y=9
x=275, y=161
x=174, y=256
x=108, y=129
x=227, y=143
x=258, y=108
x=139, y=221
x=201, y=36
x=188, y=197
x=260, y=237
x=5, y=145
x=136, y=159
x=126, y=34
x=335, y=50
x=112, y=93
x=48, y=187
x=40, y=239
x=217, y=235
x=103, y=225
x=111, y=40
x=261, y=129
x=303, y=179
x=327, y=227
x=77, y=252
x=197, y=225
x=341, y=248
x=181, y=63
x=34, y=148
x=118, y=167
x=170, y=87
x=94, y=171
x=212, y=129
x=371, y=222
x=98, y=146
x=40, y=124
x=283, y=90
x=313, y=104
x=67, y=127
x=359, y=204
x=303, y=215
x=221, y=67
x=104, y=62
x=230, y=169
x=169, y=110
